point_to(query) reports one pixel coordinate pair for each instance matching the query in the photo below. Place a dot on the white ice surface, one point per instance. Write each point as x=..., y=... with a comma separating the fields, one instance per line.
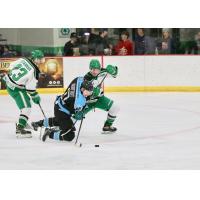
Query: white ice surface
x=155, y=131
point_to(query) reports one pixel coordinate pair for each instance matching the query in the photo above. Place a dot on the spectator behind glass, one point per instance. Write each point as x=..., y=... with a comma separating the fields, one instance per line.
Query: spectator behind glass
x=7, y=53
x=71, y=47
x=124, y=46
x=143, y=44
x=196, y=45
x=1, y=50
x=140, y=42
x=167, y=44
x=102, y=45
x=87, y=44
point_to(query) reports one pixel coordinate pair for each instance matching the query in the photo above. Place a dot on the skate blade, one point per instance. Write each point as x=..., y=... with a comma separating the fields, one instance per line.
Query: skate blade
x=108, y=132
x=19, y=136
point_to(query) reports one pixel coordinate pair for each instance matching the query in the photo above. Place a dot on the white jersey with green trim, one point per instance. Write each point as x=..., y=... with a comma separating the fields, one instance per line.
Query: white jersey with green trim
x=22, y=75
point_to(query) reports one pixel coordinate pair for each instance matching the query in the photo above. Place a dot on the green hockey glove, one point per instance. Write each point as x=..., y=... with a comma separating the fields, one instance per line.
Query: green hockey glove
x=96, y=92
x=112, y=70
x=79, y=115
x=35, y=97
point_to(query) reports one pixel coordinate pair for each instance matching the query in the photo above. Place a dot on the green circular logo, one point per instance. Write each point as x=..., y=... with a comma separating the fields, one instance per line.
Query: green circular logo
x=65, y=31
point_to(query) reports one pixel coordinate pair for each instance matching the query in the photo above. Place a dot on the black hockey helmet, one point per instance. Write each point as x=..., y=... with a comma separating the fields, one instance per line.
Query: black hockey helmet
x=87, y=85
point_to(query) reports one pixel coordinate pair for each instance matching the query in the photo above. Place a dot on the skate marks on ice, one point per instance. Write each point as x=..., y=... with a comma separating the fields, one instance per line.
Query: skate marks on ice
x=155, y=131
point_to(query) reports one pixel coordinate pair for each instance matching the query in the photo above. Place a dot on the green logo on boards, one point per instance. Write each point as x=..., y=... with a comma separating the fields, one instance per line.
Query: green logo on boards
x=65, y=31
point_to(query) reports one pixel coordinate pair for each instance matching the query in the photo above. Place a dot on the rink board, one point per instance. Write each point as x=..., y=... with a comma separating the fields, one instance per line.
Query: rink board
x=125, y=89
x=162, y=73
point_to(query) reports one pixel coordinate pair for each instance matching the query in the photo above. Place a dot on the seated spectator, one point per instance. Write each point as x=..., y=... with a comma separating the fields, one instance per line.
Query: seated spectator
x=7, y=53
x=197, y=40
x=193, y=47
x=143, y=44
x=124, y=46
x=167, y=44
x=140, y=42
x=102, y=44
x=83, y=46
x=1, y=50
x=87, y=44
x=71, y=47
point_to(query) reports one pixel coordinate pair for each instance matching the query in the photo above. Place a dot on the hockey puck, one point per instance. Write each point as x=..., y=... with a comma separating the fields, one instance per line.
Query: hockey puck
x=96, y=145
x=78, y=144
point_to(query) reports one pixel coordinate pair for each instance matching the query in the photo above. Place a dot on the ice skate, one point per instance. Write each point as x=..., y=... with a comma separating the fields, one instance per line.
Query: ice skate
x=46, y=134
x=22, y=133
x=36, y=125
x=108, y=130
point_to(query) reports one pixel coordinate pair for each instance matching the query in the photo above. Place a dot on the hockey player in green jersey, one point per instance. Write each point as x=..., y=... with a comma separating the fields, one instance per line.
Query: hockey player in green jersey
x=21, y=82
x=96, y=75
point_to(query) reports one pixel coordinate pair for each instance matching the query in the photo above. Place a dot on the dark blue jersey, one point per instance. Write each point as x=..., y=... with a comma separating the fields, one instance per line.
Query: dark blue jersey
x=72, y=100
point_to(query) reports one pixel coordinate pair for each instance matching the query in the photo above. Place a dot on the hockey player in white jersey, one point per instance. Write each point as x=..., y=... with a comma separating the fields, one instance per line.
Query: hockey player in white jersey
x=21, y=82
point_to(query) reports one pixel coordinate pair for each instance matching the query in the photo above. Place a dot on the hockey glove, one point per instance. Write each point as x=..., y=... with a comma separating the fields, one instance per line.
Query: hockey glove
x=112, y=70
x=79, y=115
x=96, y=92
x=35, y=97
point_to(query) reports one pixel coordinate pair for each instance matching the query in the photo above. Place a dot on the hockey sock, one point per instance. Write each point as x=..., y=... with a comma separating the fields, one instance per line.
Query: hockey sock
x=56, y=135
x=49, y=122
x=22, y=120
x=110, y=120
x=46, y=122
x=112, y=115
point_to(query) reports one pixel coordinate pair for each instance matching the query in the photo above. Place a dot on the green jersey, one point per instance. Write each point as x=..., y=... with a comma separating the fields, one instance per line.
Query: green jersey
x=96, y=80
x=23, y=74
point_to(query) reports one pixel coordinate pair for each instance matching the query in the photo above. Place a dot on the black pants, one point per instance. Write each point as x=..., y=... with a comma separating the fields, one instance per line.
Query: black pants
x=65, y=124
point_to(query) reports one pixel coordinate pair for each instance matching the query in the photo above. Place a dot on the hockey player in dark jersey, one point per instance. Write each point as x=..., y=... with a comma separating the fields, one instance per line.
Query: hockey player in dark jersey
x=67, y=106
x=96, y=75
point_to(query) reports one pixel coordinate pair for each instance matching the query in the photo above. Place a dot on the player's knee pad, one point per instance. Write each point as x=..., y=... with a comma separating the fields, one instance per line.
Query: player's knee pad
x=114, y=110
x=69, y=136
x=26, y=111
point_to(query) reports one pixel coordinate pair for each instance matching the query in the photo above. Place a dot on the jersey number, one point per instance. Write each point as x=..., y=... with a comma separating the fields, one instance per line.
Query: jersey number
x=18, y=72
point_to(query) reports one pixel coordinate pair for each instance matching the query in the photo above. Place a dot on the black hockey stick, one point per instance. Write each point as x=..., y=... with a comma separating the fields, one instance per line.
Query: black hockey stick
x=45, y=119
x=79, y=132
x=103, y=79
x=42, y=110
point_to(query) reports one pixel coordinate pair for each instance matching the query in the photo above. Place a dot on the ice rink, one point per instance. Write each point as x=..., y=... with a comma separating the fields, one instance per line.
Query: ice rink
x=155, y=131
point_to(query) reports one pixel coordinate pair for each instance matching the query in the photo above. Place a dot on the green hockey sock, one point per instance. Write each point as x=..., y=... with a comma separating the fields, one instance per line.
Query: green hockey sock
x=23, y=120
x=110, y=120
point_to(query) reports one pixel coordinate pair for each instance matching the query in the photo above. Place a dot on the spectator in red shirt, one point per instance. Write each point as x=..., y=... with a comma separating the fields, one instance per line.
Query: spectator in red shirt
x=124, y=46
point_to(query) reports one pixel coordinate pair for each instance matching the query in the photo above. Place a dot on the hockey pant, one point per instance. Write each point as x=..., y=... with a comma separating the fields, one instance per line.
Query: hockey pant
x=64, y=122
